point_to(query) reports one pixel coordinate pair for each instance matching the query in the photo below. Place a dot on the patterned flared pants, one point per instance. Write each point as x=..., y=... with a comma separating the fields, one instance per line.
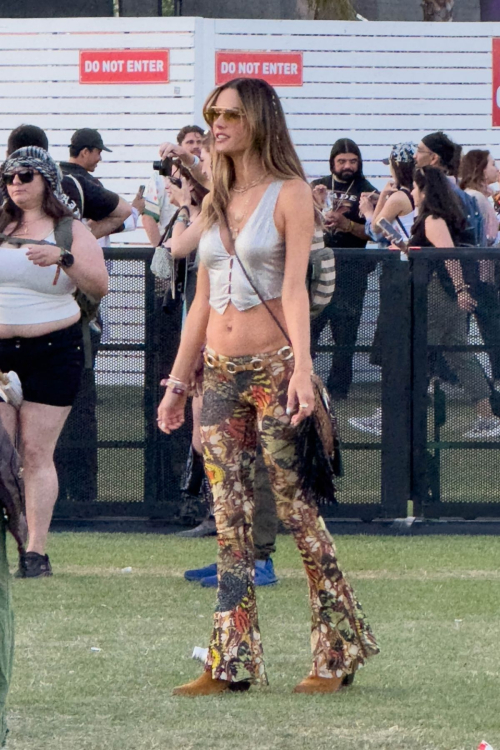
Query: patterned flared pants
x=237, y=410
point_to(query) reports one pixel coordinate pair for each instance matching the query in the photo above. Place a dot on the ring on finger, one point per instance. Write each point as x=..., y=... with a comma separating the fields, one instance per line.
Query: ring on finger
x=303, y=406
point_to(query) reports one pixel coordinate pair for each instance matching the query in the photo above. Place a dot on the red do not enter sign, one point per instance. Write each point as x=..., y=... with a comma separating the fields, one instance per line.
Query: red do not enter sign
x=124, y=66
x=277, y=68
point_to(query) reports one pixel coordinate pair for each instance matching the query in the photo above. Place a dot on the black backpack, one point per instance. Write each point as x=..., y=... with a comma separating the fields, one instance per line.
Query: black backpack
x=63, y=233
x=474, y=233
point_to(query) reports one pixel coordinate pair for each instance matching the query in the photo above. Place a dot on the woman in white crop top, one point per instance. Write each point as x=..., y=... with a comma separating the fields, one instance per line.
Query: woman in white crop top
x=395, y=202
x=40, y=332
x=257, y=387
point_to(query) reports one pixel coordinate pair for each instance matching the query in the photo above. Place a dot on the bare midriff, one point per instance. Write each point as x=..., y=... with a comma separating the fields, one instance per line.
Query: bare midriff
x=30, y=330
x=253, y=331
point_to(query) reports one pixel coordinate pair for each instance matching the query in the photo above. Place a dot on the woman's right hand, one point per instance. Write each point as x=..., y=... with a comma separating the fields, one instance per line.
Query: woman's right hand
x=171, y=411
x=388, y=189
x=366, y=208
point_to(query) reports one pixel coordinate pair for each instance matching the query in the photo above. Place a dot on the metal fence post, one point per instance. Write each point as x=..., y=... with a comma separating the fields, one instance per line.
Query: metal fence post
x=420, y=459
x=395, y=320
x=151, y=433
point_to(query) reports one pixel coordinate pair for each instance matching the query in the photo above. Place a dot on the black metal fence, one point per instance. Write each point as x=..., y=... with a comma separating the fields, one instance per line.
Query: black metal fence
x=405, y=417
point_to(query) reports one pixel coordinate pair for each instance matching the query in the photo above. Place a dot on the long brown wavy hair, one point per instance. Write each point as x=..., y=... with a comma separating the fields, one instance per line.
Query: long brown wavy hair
x=472, y=169
x=270, y=139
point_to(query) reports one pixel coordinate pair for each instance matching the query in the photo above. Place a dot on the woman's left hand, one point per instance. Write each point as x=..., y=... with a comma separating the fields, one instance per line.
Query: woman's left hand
x=180, y=196
x=300, y=397
x=43, y=255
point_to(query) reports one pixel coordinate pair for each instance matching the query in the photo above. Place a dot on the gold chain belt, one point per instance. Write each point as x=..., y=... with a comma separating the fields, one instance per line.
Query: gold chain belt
x=255, y=364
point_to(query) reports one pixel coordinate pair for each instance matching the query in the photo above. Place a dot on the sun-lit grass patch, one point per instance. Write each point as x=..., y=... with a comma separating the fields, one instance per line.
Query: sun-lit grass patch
x=433, y=604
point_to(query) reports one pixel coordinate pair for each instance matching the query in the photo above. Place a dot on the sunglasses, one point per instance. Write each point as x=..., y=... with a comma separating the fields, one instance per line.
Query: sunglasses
x=24, y=177
x=230, y=115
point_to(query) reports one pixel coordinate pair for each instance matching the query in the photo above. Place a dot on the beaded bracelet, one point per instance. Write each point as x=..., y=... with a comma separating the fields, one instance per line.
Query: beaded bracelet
x=176, y=388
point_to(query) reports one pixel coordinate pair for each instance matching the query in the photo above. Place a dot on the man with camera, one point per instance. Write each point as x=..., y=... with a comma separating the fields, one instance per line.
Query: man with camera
x=158, y=209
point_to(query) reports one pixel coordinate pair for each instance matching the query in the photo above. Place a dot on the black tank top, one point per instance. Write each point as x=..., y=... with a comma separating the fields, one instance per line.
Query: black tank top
x=419, y=239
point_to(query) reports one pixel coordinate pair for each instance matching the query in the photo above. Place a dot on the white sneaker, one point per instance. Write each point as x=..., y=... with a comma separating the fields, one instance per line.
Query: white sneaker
x=372, y=424
x=484, y=427
x=10, y=388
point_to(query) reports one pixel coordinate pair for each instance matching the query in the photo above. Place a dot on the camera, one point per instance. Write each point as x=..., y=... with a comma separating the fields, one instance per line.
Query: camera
x=164, y=167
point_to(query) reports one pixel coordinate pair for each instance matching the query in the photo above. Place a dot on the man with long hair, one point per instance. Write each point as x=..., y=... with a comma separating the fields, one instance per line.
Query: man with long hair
x=344, y=228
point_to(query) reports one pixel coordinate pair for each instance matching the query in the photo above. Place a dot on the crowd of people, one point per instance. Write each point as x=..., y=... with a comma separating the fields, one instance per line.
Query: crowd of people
x=232, y=217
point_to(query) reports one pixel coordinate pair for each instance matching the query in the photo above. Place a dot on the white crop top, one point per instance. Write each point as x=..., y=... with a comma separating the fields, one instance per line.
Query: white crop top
x=27, y=292
x=261, y=250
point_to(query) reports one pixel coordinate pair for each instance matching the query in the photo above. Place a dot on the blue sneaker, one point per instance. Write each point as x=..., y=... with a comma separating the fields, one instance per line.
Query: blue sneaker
x=197, y=574
x=264, y=575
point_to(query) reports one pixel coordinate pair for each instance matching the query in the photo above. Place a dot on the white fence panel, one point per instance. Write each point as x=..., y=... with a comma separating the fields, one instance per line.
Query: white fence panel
x=378, y=83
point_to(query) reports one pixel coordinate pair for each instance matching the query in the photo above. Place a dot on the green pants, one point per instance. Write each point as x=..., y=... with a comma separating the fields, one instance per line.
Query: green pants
x=447, y=325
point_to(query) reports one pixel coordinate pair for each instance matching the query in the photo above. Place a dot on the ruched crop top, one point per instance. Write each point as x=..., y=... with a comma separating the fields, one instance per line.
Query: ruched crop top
x=28, y=293
x=261, y=250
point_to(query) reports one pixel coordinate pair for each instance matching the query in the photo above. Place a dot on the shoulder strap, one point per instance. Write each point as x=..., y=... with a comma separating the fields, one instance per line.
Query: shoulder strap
x=402, y=226
x=408, y=194
x=273, y=316
x=168, y=229
x=63, y=232
x=80, y=191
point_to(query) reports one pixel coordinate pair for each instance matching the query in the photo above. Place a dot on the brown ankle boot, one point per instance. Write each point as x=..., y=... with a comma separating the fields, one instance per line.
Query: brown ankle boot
x=316, y=685
x=206, y=685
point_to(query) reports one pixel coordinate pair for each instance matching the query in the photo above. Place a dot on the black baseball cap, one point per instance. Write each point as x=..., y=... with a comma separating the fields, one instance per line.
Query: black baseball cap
x=88, y=138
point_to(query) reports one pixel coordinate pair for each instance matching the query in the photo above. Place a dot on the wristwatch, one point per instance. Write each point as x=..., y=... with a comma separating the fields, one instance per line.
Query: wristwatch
x=66, y=259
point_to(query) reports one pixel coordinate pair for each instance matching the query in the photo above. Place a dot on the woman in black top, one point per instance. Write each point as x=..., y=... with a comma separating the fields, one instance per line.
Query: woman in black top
x=440, y=223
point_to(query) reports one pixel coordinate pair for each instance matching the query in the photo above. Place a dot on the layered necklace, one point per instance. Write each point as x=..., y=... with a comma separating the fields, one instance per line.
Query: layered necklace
x=239, y=216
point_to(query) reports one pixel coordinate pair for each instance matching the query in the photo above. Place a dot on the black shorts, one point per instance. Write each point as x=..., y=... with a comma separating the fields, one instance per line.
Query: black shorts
x=49, y=367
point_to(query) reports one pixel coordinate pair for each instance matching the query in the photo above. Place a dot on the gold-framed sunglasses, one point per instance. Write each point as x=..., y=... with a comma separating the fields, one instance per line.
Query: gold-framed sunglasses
x=229, y=114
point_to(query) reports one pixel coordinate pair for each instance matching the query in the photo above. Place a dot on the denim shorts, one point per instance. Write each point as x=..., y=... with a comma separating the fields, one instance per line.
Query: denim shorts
x=49, y=367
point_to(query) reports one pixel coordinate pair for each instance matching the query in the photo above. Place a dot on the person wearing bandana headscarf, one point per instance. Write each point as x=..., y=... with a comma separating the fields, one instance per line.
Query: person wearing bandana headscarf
x=40, y=331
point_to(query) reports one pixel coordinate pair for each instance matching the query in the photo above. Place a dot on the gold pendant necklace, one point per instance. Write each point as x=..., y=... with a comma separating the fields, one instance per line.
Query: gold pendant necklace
x=239, y=217
x=250, y=185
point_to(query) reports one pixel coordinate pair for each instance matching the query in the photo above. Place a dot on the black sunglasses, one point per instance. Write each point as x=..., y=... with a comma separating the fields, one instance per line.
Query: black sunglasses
x=24, y=177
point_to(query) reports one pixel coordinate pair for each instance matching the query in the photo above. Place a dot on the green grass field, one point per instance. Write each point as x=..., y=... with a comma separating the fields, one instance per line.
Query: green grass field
x=432, y=602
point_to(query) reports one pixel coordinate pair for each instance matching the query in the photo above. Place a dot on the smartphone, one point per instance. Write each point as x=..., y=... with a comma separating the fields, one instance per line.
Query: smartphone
x=141, y=190
x=392, y=233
